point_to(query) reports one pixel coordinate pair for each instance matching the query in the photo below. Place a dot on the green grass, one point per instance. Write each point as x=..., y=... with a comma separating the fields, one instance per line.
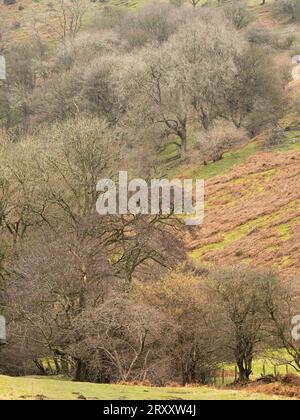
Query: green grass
x=58, y=389
x=222, y=166
x=232, y=236
x=284, y=231
x=268, y=363
x=245, y=229
x=128, y=3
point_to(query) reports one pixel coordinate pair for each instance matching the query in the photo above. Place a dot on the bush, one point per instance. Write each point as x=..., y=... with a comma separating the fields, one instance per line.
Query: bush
x=154, y=23
x=289, y=9
x=283, y=42
x=265, y=114
x=108, y=18
x=221, y=137
x=238, y=14
x=100, y=89
x=275, y=139
x=259, y=34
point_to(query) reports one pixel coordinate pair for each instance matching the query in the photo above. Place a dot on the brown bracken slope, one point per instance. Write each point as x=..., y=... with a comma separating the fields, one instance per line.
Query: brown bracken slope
x=253, y=214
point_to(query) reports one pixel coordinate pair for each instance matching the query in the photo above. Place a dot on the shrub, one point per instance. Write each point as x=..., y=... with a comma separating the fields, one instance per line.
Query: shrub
x=289, y=9
x=238, y=14
x=221, y=137
x=265, y=114
x=154, y=23
x=177, y=3
x=284, y=42
x=275, y=139
x=109, y=18
x=16, y=25
x=259, y=34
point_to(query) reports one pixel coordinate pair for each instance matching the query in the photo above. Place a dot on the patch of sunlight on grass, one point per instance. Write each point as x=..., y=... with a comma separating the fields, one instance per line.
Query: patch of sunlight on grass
x=232, y=236
x=171, y=151
x=247, y=260
x=246, y=229
x=286, y=147
x=132, y=4
x=284, y=231
x=286, y=261
x=291, y=141
x=273, y=248
x=265, y=175
x=265, y=364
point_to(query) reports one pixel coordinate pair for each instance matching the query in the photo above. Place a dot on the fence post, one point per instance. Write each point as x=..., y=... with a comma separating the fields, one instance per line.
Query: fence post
x=223, y=376
x=264, y=370
x=214, y=379
x=235, y=374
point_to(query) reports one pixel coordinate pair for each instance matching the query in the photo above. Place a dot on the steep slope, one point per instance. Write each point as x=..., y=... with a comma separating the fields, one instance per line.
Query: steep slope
x=252, y=213
x=19, y=21
x=252, y=197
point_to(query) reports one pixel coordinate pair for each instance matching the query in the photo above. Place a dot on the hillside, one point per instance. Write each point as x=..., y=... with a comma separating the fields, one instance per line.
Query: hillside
x=253, y=211
x=101, y=297
x=252, y=199
x=20, y=21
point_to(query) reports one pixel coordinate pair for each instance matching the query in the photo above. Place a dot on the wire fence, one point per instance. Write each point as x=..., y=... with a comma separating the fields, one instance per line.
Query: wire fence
x=223, y=377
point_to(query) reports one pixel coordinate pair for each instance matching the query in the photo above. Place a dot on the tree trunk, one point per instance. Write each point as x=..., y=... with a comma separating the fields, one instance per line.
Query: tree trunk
x=40, y=367
x=81, y=371
x=183, y=138
x=245, y=369
x=65, y=366
x=217, y=155
x=57, y=364
x=184, y=146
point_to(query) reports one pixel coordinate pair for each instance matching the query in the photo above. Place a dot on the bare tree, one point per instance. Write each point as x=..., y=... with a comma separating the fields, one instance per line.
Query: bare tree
x=100, y=89
x=156, y=97
x=255, y=86
x=125, y=338
x=238, y=14
x=180, y=295
x=239, y=296
x=154, y=23
x=219, y=138
x=69, y=16
x=194, y=3
x=282, y=304
x=205, y=53
x=69, y=257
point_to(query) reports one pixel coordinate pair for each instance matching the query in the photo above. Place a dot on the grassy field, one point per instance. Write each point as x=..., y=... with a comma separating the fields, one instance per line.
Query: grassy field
x=58, y=389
